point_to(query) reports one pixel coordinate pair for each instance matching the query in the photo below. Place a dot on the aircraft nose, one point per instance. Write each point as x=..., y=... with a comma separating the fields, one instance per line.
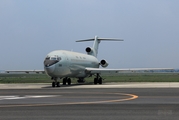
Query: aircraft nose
x=48, y=63
x=49, y=66
x=49, y=70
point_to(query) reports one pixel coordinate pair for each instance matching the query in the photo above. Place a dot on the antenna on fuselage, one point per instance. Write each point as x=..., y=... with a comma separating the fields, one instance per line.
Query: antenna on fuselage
x=94, y=51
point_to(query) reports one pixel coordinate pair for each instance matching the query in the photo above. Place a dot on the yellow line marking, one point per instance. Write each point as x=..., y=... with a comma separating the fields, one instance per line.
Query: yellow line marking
x=132, y=97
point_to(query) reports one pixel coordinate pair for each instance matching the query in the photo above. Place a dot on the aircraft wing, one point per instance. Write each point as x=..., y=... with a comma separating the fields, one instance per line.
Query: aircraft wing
x=133, y=70
x=25, y=71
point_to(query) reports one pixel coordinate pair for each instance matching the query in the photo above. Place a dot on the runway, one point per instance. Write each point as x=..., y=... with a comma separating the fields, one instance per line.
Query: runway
x=90, y=102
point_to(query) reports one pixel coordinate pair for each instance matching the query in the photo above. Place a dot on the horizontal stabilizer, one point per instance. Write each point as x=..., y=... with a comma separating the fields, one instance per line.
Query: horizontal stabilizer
x=85, y=40
x=96, y=43
x=103, y=39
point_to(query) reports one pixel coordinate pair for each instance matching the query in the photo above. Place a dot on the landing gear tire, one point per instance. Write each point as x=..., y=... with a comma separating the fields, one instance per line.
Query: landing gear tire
x=58, y=84
x=69, y=81
x=100, y=81
x=64, y=81
x=53, y=84
x=95, y=81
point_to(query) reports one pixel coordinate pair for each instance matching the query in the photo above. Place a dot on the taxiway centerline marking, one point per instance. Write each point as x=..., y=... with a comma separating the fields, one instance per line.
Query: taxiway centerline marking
x=132, y=97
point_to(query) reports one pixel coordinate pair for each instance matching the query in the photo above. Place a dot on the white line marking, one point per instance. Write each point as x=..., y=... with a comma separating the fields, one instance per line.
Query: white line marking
x=25, y=97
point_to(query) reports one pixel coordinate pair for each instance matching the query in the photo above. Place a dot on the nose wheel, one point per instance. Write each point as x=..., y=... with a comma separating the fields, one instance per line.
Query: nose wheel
x=55, y=83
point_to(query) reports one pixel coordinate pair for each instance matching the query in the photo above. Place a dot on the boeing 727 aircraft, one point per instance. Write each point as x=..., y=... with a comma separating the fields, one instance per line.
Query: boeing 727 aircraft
x=67, y=64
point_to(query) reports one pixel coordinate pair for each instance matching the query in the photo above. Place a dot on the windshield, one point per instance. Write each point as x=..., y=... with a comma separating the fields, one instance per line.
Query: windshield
x=47, y=58
x=55, y=58
x=51, y=60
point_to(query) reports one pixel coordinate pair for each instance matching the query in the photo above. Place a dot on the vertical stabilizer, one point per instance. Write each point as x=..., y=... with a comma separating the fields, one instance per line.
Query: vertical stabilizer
x=95, y=45
x=94, y=51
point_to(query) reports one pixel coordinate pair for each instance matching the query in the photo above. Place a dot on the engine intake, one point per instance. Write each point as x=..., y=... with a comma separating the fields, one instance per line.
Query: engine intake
x=104, y=63
x=88, y=50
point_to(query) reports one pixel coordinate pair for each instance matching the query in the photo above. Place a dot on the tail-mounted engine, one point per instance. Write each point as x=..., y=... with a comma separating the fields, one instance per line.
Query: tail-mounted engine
x=104, y=63
x=89, y=51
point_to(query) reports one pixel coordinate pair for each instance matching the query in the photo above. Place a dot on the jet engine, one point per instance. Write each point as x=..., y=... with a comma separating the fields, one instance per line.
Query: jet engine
x=104, y=63
x=89, y=50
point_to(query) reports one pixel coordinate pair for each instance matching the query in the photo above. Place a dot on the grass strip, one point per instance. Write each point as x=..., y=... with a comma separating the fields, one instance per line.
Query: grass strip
x=124, y=77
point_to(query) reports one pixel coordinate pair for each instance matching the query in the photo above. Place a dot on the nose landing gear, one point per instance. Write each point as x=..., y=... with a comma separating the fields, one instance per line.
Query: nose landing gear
x=55, y=82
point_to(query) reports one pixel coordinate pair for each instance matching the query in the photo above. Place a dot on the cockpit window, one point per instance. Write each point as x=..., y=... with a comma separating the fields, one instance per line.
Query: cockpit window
x=47, y=58
x=55, y=58
x=51, y=60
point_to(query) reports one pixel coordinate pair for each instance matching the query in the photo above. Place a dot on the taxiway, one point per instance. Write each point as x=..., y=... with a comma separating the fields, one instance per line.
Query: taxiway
x=109, y=101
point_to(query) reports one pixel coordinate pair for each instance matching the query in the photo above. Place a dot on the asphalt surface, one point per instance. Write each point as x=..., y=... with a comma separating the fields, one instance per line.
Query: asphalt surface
x=82, y=102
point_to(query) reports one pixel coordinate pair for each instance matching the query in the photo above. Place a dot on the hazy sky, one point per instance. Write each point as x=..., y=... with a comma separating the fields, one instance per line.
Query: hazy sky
x=30, y=29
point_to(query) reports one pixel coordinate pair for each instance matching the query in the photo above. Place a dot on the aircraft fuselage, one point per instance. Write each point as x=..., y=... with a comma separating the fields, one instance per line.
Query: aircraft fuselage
x=61, y=63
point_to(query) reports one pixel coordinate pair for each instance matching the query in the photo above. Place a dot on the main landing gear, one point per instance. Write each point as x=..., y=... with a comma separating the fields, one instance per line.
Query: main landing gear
x=98, y=79
x=55, y=82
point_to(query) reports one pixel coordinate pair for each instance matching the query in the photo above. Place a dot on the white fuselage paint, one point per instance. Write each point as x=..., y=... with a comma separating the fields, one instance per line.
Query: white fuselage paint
x=71, y=64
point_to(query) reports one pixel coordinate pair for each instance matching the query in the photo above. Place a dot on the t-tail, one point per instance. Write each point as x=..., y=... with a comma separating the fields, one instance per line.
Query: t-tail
x=94, y=50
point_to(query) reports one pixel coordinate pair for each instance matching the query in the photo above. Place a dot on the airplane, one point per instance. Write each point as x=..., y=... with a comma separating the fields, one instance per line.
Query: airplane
x=65, y=64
